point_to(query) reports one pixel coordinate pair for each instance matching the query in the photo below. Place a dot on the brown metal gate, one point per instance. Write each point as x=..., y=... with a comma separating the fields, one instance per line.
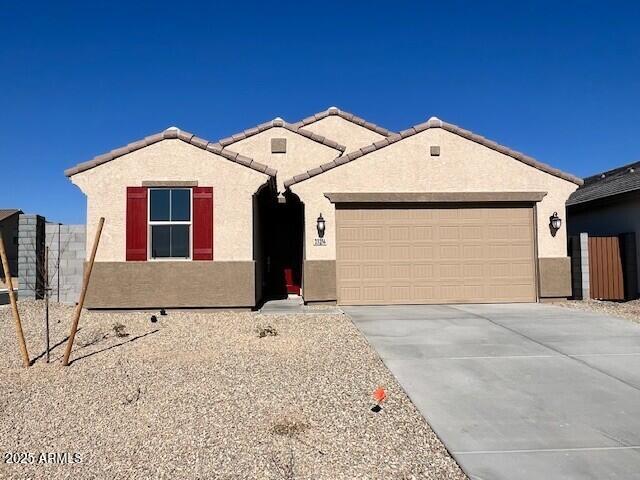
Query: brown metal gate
x=606, y=278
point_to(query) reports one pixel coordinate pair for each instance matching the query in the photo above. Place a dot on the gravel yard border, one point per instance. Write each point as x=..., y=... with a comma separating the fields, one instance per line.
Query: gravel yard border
x=202, y=395
x=628, y=310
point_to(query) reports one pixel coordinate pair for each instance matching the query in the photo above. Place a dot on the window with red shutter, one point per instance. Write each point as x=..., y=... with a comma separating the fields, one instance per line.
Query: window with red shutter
x=170, y=223
x=165, y=214
x=202, y=223
x=136, y=224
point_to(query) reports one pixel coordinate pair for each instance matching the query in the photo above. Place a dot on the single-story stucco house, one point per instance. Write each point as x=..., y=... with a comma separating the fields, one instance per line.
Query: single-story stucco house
x=608, y=204
x=333, y=208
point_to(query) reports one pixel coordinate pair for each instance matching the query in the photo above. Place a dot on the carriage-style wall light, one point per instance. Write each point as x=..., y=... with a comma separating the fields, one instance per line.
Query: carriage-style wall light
x=321, y=225
x=555, y=222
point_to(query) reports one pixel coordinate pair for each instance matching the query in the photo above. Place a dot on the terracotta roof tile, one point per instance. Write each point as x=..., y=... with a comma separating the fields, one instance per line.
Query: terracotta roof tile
x=367, y=148
x=435, y=122
x=341, y=160
x=171, y=133
x=199, y=142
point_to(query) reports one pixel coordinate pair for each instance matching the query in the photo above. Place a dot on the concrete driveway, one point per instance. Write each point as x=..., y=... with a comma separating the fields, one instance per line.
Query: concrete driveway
x=518, y=391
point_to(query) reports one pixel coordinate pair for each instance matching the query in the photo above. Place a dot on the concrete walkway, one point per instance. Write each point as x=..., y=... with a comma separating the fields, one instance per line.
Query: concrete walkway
x=295, y=305
x=519, y=391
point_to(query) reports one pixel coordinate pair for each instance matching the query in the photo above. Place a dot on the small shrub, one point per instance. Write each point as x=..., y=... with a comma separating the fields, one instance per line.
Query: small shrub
x=289, y=427
x=265, y=331
x=119, y=329
x=91, y=338
x=132, y=398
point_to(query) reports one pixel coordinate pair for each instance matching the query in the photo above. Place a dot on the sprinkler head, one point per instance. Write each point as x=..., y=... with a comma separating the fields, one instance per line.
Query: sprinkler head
x=154, y=319
x=376, y=408
x=163, y=312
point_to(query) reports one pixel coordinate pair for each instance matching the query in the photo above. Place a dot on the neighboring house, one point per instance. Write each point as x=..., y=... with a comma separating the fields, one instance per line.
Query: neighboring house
x=332, y=207
x=608, y=204
x=9, y=231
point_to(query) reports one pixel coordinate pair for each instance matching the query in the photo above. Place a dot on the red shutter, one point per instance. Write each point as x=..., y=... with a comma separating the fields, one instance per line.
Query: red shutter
x=202, y=223
x=136, y=223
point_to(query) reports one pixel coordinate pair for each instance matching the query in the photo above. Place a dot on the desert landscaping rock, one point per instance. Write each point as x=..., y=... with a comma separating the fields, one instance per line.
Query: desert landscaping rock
x=629, y=310
x=200, y=395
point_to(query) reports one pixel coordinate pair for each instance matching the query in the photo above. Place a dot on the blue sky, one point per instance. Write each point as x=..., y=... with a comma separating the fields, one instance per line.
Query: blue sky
x=559, y=81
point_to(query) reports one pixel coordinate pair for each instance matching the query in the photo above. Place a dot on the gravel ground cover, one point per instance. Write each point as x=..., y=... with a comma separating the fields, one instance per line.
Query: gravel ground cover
x=629, y=310
x=202, y=395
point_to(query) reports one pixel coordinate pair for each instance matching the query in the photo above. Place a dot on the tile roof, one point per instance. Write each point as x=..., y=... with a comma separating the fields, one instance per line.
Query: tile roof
x=278, y=122
x=347, y=116
x=433, y=122
x=619, y=180
x=170, y=133
x=7, y=212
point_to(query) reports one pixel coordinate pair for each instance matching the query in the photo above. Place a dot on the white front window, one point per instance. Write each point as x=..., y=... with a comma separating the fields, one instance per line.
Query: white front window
x=170, y=223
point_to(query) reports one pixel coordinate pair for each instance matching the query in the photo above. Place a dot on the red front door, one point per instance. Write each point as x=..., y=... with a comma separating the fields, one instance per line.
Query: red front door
x=282, y=232
x=293, y=285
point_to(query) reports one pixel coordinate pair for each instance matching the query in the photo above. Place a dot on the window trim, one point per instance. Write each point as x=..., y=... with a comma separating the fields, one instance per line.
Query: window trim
x=151, y=223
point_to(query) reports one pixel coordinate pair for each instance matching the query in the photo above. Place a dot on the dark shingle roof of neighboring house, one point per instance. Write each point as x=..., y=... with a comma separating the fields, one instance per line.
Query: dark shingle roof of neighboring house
x=169, y=133
x=433, y=122
x=278, y=122
x=347, y=116
x=607, y=184
x=7, y=212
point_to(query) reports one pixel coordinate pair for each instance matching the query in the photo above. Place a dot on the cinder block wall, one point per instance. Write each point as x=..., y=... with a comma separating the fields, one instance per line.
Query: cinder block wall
x=66, y=245
x=66, y=260
x=579, y=252
x=30, y=250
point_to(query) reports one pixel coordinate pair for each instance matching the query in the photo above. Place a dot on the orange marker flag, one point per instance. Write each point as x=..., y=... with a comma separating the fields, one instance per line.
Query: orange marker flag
x=379, y=395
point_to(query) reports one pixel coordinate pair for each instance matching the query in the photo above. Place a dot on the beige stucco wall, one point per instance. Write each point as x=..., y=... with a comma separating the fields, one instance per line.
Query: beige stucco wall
x=407, y=166
x=302, y=153
x=344, y=132
x=172, y=160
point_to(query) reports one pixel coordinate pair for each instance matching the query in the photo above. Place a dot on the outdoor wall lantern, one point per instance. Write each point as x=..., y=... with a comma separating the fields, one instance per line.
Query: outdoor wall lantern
x=321, y=225
x=555, y=222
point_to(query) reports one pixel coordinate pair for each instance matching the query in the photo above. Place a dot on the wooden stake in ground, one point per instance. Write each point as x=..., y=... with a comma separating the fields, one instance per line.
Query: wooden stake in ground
x=14, y=305
x=83, y=293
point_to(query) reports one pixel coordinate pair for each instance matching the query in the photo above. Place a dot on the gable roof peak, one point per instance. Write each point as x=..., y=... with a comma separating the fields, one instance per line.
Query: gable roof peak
x=433, y=122
x=172, y=133
x=279, y=122
x=350, y=117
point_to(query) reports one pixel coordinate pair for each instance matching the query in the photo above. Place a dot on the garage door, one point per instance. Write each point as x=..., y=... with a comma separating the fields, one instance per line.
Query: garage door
x=435, y=255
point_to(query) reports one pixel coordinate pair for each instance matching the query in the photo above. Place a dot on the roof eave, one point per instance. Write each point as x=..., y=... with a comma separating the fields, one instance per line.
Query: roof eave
x=601, y=198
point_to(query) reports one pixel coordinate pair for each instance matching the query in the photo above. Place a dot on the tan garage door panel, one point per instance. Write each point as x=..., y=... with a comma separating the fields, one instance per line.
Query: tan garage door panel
x=435, y=255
